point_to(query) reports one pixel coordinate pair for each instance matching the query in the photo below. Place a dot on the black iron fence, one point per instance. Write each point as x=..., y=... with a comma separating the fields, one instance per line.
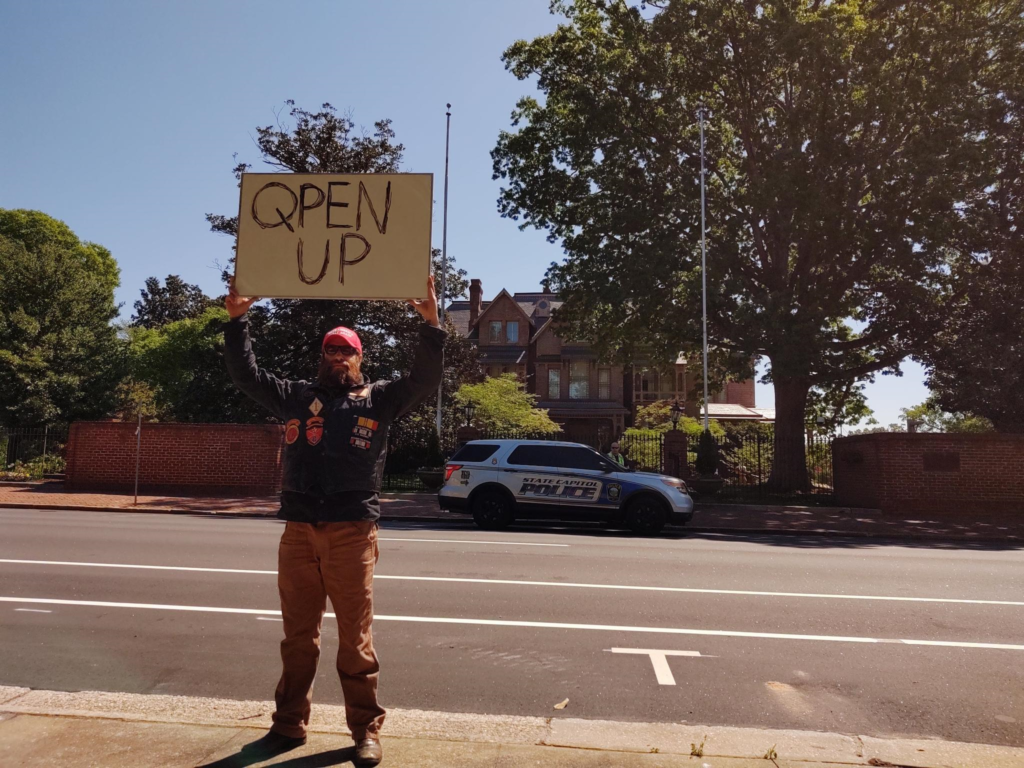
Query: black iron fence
x=746, y=460
x=32, y=452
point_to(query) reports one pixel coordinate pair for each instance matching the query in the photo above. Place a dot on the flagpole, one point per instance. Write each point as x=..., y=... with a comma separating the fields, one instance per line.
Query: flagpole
x=703, y=268
x=444, y=254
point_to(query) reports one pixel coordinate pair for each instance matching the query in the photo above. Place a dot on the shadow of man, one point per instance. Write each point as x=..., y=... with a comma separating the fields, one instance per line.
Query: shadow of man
x=251, y=754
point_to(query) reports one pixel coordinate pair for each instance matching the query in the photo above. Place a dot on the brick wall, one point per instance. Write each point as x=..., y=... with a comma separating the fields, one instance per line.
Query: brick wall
x=236, y=459
x=504, y=310
x=926, y=472
x=741, y=393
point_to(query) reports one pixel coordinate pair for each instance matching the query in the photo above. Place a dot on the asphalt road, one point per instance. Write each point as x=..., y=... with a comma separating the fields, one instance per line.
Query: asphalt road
x=756, y=631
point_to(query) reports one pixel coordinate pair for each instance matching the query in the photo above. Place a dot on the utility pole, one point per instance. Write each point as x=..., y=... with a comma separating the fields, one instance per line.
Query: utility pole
x=703, y=267
x=444, y=255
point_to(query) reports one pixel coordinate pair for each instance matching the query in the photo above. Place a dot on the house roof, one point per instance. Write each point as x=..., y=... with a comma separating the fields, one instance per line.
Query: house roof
x=459, y=312
x=583, y=407
x=503, y=354
x=733, y=412
x=495, y=301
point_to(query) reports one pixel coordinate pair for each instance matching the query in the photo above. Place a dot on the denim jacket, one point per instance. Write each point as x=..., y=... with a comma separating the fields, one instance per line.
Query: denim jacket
x=335, y=439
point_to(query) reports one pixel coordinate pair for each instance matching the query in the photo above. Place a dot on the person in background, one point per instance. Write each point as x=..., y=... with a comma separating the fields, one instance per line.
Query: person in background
x=616, y=456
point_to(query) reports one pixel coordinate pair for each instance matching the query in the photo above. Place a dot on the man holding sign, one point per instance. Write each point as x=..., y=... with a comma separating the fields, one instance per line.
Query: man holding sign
x=336, y=431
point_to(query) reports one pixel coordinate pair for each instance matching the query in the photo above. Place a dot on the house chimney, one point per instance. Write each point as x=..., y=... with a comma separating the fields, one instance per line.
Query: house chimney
x=476, y=301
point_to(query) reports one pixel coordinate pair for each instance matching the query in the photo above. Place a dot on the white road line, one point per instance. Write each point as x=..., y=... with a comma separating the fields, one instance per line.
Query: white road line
x=529, y=624
x=473, y=541
x=269, y=618
x=568, y=584
x=32, y=610
x=659, y=660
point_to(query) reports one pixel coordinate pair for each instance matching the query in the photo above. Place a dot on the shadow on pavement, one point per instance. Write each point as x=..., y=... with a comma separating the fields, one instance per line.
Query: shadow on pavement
x=244, y=758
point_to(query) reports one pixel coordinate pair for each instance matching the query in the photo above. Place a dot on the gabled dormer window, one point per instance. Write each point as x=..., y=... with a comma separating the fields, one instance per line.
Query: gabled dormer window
x=512, y=332
x=495, y=334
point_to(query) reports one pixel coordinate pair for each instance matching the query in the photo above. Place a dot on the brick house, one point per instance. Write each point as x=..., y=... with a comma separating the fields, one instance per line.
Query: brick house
x=515, y=333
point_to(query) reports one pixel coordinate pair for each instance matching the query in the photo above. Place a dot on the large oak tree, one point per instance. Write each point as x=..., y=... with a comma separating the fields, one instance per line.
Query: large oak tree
x=848, y=141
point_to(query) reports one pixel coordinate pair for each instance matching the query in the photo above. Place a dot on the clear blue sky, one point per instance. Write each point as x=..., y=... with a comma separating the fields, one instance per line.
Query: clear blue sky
x=121, y=119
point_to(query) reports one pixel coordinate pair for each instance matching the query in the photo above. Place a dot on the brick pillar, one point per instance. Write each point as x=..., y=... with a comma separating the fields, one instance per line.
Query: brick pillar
x=675, y=453
x=464, y=434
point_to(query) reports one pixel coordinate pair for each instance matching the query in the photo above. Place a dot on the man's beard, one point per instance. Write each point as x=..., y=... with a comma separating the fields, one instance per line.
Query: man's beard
x=343, y=374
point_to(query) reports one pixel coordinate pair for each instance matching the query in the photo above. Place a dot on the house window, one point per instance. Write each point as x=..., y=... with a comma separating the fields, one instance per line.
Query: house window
x=579, y=380
x=554, y=383
x=496, y=332
x=604, y=384
x=512, y=332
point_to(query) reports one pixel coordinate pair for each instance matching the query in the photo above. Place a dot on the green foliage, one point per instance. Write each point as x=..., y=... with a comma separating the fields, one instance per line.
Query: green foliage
x=175, y=300
x=432, y=456
x=35, y=230
x=931, y=418
x=657, y=418
x=707, y=454
x=845, y=157
x=60, y=359
x=502, y=405
x=838, y=405
x=177, y=373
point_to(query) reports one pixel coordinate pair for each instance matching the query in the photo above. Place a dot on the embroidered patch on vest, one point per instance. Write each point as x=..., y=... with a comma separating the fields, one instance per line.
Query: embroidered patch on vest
x=363, y=432
x=358, y=442
x=314, y=430
x=291, y=431
x=368, y=423
x=316, y=406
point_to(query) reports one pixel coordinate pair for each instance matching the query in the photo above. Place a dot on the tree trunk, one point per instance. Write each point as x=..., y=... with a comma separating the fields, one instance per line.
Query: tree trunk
x=789, y=469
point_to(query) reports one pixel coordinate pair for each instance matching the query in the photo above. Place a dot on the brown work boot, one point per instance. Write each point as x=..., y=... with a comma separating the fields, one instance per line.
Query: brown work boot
x=368, y=752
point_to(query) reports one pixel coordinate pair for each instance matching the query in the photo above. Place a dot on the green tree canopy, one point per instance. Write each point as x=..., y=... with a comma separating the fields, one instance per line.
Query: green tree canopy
x=60, y=359
x=848, y=142
x=35, y=230
x=502, y=405
x=177, y=373
x=174, y=300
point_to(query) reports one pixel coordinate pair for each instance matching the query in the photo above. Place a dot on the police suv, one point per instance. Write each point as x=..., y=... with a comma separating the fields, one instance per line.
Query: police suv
x=501, y=480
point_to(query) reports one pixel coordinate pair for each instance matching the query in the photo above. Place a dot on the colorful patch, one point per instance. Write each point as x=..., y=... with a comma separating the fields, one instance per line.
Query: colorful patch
x=368, y=423
x=316, y=406
x=614, y=491
x=358, y=442
x=291, y=431
x=314, y=430
x=363, y=432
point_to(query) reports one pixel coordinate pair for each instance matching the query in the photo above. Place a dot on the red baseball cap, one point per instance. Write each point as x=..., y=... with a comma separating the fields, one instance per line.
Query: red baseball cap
x=342, y=336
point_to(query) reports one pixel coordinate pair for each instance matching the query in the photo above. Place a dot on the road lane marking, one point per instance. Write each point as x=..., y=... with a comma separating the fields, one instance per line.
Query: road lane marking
x=473, y=541
x=32, y=610
x=529, y=624
x=269, y=618
x=567, y=584
x=659, y=660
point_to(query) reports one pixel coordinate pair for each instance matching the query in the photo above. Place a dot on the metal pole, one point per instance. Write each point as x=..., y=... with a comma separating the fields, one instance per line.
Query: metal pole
x=444, y=253
x=46, y=435
x=138, y=456
x=703, y=268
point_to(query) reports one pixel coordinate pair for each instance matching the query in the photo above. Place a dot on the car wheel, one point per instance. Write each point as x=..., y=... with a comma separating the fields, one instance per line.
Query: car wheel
x=492, y=510
x=646, y=516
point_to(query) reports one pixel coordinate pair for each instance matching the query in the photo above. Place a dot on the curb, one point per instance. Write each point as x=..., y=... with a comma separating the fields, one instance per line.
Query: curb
x=554, y=731
x=391, y=518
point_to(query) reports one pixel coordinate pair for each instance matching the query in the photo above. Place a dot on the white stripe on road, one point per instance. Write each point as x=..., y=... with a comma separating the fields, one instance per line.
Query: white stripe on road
x=473, y=541
x=32, y=610
x=569, y=584
x=529, y=624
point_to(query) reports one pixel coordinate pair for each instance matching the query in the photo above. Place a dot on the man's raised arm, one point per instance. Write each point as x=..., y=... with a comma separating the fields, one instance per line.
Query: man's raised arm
x=262, y=386
x=428, y=365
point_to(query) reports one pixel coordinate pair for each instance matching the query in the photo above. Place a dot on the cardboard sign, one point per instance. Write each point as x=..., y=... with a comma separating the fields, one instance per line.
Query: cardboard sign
x=334, y=236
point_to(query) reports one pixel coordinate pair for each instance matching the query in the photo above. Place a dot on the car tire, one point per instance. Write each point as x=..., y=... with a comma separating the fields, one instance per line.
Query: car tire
x=646, y=515
x=492, y=510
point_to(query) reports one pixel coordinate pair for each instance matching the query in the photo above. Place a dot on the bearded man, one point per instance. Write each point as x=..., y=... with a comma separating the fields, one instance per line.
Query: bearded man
x=335, y=438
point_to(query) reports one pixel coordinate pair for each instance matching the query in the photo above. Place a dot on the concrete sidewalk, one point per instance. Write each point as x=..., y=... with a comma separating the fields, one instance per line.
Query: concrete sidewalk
x=938, y=525
x=111, y=730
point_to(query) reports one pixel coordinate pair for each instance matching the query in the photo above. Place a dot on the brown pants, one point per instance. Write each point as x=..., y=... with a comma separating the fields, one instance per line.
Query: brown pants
x=316, y=562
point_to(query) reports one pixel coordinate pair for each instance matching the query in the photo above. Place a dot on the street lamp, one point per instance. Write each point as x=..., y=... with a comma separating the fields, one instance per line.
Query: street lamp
x=677, y=413
x=470, y=410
